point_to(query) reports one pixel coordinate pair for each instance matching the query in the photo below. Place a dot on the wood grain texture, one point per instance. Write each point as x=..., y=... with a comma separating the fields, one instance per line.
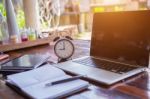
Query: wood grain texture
x=137, y=87
x=10, y=47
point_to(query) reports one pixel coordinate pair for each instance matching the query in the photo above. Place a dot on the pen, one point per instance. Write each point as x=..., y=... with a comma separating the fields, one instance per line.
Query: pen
x=64, y=80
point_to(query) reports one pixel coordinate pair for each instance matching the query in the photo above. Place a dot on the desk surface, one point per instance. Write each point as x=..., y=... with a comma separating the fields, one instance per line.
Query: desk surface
x=137, y=87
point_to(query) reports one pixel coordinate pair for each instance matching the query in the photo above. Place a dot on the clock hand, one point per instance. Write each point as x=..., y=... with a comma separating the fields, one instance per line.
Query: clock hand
x=60, y=49
x=63, y=45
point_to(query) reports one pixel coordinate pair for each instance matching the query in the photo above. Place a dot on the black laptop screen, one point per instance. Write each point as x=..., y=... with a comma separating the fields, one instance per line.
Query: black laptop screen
x=122, y=36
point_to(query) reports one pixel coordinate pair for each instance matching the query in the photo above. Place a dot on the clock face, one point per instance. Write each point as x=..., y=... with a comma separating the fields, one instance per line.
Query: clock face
x=64, y=48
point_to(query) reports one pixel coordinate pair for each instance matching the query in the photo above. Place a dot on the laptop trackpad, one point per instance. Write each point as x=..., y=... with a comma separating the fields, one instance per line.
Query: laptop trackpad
x=92, y=73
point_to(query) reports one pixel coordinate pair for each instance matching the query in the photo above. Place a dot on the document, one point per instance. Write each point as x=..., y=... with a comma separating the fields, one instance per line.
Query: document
x=33, y=82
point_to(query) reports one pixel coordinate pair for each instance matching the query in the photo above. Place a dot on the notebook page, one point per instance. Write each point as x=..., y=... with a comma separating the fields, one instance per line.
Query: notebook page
x=35, y=76
x=40, y=91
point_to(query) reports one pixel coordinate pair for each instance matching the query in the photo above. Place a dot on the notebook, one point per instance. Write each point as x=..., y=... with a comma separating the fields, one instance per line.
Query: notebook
x=32, y=83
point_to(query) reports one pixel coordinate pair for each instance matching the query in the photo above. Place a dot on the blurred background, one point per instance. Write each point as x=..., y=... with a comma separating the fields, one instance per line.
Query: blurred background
x=65, y=13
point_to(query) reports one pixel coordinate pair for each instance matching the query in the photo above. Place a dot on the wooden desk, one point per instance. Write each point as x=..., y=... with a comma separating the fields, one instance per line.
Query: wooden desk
x=137, y=87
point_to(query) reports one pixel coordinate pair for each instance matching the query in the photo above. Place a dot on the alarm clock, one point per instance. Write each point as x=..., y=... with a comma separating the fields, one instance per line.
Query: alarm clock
x=64, y=49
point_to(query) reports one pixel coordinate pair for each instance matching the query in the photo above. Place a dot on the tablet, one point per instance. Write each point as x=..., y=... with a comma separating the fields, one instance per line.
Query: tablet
x=26, y=62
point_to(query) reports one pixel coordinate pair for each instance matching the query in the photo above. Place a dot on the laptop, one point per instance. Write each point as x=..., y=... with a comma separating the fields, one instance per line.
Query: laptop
x=119, y=47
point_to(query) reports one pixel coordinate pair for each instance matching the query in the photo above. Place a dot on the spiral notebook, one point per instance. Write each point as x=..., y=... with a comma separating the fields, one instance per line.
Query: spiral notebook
x=32, y=83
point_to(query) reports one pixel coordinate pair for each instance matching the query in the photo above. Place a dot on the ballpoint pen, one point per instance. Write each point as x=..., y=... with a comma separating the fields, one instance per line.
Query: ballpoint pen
x=64, y=80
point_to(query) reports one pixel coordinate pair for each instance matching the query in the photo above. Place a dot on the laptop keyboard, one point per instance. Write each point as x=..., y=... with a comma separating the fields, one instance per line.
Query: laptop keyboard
x=106, y=65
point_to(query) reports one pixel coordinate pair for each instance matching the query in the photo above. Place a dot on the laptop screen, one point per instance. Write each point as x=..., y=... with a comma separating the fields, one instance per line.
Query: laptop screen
x=122, y=36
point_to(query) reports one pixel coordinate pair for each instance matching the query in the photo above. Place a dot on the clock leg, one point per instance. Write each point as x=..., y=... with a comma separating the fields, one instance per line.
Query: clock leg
x=62, y=60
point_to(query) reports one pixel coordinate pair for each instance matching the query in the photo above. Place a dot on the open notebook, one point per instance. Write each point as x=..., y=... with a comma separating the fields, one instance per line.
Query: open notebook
x=32, y=83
